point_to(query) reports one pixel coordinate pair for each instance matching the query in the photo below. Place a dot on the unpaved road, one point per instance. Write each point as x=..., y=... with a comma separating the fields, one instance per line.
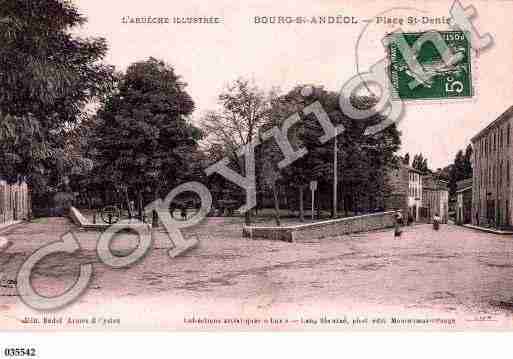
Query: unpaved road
x=454, y=273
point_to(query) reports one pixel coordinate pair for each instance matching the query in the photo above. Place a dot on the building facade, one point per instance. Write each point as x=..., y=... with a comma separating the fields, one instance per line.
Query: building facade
x=415, y=186
x=491, y=162
x=404, y=191
x=396, y=190
x=14, y=201
x=435, y=199
x=464, y=201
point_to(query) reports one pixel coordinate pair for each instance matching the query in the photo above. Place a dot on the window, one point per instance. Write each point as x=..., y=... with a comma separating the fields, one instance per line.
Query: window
x=507, y=211
x=508, y=134
x=500, y=175
x=2, y=199
x=507, y=172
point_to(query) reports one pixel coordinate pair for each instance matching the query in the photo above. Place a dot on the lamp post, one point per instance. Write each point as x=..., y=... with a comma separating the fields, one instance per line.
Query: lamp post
x=488, y=195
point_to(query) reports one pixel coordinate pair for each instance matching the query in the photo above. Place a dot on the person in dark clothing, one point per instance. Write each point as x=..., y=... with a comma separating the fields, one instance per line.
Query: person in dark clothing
x=397, y=226
x=436, y=222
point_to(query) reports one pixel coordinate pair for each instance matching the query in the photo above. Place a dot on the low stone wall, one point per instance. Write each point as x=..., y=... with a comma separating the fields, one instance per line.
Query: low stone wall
x=323, y=229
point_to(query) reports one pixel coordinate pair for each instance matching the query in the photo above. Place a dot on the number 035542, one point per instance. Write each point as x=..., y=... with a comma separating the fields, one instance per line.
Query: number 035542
x=19, y=352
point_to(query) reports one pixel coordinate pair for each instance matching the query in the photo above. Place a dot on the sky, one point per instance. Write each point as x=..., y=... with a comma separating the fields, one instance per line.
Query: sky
x=209, y=56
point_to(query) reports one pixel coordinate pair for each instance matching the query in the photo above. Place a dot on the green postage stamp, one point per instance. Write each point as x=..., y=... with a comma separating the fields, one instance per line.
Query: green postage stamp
x=430, y=65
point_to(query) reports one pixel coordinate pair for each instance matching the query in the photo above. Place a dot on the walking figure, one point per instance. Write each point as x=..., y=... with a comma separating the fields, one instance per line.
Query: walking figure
x=397, y=226
x=436, y=222
x=183, y=213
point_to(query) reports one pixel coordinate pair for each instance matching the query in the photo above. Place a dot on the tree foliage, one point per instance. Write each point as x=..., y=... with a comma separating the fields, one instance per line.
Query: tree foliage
x=420, y=163
x=47, y=76
x=142, y=138
x=406, y=159
x=243, y=108
x=362, y=160
x=461, y=168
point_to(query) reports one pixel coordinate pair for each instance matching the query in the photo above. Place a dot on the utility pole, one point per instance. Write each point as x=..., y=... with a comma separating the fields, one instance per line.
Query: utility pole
x=335, y=177
x=313, y=188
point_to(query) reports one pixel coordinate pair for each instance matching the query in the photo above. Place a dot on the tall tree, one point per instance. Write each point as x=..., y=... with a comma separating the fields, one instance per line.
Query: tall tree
x=420, y=163
x=406, y=159
x=461, y=168
x=243, y=107
x=47, y=76
x=467, y=162
x=142, y=137
x=362, y=160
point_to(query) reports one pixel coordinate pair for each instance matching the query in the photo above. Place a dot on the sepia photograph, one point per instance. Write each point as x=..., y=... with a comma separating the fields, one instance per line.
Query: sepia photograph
x=258, y=166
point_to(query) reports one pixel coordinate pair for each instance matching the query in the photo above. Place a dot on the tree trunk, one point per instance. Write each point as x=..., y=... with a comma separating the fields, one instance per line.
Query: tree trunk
x=155, y=216
x=247, y=215
x=129, y=207
x=276, y=206
x=247, y=218
x=318, y=204
x=140, y=205
x=301, y=205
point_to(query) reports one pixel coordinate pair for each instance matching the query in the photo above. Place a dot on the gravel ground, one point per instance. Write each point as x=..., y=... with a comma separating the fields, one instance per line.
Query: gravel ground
x=455, y=273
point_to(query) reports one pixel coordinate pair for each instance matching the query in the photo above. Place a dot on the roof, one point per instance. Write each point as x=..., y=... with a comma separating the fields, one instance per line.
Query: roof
x=464, y=185
x=14, y=179
x=430, y=181
x=504, y=116
x=410, y=168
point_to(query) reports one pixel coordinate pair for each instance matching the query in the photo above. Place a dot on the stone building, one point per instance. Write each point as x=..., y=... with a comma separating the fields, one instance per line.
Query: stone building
x=414, y=193
x=435, y=198
x=404, y=191
x=396, y=189
x=464, y=201
x=491, y=189
x=14, y=201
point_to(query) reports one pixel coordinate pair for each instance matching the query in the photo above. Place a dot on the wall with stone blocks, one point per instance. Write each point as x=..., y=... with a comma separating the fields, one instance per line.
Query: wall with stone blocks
x=323, y=229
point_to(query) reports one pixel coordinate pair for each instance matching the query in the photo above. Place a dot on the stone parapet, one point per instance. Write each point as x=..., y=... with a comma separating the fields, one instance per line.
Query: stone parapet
x=323, y=229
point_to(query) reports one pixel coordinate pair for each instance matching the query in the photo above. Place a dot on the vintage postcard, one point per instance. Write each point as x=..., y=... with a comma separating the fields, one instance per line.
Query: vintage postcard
x=255, y=166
